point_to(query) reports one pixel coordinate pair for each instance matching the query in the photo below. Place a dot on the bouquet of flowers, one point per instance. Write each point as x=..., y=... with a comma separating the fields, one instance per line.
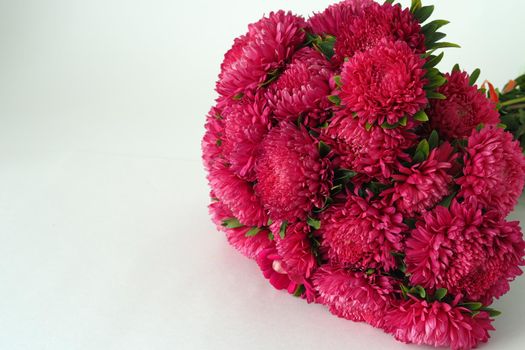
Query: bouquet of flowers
x=359, y=176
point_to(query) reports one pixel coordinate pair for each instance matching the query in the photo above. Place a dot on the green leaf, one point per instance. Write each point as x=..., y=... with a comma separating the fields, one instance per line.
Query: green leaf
x=370, y=271
x=271, y=77
x=299, y=291
x=238, y=97
x=387, y=126
x=282, y=230
x=336, y=100
x=423, y=13
x=434, y=60
x=433, y=140
x=440, y=293
x=443, y=45
x=324, y=149
x=270, y=236
x=436, y=95
x=253, y=232
x=448, y=200
x=474, y=77
x=418, y=291
x=314, y=223
x=434, y=25
x=436, y=81
x=494, y=313
x=231, y=223
x=404, y=290
x=403, y=121
x=480, y=127
x=456, y=68
x=416, y=4
x=368, y=126
x=421, y=116
x=434, y=38
x=389, y=1
x=326, y=45
x=472, y=306
x=422, y=151
x=338, y=81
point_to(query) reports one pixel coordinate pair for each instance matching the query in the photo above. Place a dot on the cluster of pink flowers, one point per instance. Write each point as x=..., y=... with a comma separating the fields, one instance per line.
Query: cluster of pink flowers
x=359, y=176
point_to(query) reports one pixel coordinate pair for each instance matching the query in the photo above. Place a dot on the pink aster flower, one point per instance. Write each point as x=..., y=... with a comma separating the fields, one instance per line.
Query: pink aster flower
x=465, y=250
x=263, y=50
x=246, y=122
x=248, y=246
x=212, y=140
x=302, y=89
x=337, y=17
x=464, y=108
x=354, y=295
x=376, y=152
x=425, y=184
x=375, y=24
x=238, y=195
x=292, y=178
x=271, y=265
x=494, y=169
x=385, y=83
x=362, y=233
x=296, y=251
x=438, y=324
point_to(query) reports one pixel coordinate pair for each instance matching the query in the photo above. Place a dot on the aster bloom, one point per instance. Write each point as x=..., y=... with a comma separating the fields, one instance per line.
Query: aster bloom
x=494, y=170
x=385, y=83
x=326, y=167
x=362, y=233
x=270, y=263
x=296, y=251
x=337, y=17
x=262, y=51
x=464, y=108
x=423, y=185
x=237, y=195
x=353, y=295
x=465, y=250
x=376, y=24
x=246, y=122
x=302, y=89
x=292, y=176
x=248, y=246
x=375, y=152
x=438, y=324
x=212, y=140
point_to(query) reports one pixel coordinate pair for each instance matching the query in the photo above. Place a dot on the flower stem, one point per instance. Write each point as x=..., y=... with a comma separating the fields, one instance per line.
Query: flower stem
x=511, y=102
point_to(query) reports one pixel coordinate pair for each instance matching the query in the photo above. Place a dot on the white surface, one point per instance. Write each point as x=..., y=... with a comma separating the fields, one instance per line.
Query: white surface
x=105, y=242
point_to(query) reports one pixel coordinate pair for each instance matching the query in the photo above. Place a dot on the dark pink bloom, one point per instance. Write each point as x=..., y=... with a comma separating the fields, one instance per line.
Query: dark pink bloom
x=246, y=122
x=271, y=265
x=437, y=324
x=262, y=51
x=423, y=185
x=296, y=251
x=362, y=233
x=248, y=246
x=376, y=152
x=464, y=108
x=385, y=83
x=238, y=196
x=354, y=295
x=375, y=24
x=292, y=178
x=212, y=140
x=465, y=250
x=302, y=89
x=494, y=169
x=337, y=17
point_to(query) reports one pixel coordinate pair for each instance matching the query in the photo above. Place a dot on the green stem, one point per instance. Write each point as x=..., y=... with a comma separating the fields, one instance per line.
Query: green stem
x=511, y=102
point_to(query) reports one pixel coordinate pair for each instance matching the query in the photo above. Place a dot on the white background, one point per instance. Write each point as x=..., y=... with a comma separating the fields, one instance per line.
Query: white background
x=105, y=241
